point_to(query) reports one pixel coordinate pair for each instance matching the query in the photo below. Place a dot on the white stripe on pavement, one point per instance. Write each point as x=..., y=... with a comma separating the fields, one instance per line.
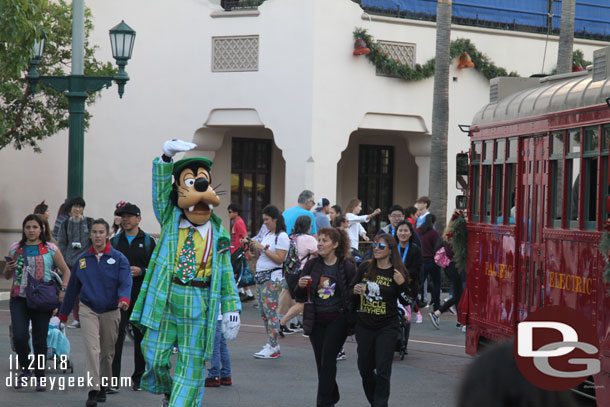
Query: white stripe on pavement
x=410, y=340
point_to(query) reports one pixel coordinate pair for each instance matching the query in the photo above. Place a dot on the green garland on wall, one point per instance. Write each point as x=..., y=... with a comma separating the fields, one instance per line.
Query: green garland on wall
x=392, y=67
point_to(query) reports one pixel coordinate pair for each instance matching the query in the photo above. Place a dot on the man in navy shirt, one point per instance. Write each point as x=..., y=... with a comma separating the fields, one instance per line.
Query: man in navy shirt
x=137, y=246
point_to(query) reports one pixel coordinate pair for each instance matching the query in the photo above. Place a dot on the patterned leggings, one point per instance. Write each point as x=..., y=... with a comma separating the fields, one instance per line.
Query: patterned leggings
x=268, y=295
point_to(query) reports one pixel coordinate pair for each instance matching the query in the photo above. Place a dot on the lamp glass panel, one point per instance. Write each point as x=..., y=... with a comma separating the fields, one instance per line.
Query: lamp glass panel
x=38, y=48
x=132, y=39
x=120, y=45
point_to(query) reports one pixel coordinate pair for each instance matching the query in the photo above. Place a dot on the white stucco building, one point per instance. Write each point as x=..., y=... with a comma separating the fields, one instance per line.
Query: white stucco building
x=275, y=97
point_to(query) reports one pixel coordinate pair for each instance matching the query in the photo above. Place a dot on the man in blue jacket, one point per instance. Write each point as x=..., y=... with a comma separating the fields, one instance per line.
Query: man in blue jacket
x=102, y=279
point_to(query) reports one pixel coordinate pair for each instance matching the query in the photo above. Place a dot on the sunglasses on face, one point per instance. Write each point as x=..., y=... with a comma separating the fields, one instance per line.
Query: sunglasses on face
x=381, y=246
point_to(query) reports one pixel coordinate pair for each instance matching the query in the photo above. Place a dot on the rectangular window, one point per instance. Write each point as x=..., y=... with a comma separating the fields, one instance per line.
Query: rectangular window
x=477, y=155
x=557, y=141
x=375, y=182
x=513, y=146
x=605, y=137
x=489, y=152
x=574, y=141
x=486, y=203
x=590, y=161
x=573, y=168
x=477, y=151
x=476, y=172
x=590, y=201
x=251, y=178
x=498, y=213
x=500, y=154
x=605, y=190
x=557, y=175
x=511, y=192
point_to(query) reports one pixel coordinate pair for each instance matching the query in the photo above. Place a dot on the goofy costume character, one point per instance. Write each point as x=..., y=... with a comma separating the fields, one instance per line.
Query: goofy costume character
x=188, y=274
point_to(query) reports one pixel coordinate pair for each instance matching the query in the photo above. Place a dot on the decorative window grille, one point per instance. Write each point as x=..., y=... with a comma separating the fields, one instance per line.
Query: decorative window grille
x=235, y=54
x=401, y=51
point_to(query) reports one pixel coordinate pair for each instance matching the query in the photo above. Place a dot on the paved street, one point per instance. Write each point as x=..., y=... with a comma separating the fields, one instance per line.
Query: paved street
x=428, y=376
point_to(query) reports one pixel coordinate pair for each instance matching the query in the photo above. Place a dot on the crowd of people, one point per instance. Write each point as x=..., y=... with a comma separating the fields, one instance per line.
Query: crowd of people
x=85, y=268
x=343, y=289
x=338, y=287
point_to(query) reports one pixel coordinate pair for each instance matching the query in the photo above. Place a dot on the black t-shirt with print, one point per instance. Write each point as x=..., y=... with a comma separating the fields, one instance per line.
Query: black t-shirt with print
x=379, y=302
x=327, y=296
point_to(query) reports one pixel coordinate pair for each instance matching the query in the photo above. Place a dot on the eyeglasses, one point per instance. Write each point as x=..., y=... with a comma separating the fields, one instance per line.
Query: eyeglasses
x=399, y=216
x=381, y=246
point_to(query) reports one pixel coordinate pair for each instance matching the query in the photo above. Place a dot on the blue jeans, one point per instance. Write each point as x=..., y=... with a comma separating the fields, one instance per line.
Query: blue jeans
x=220, y=354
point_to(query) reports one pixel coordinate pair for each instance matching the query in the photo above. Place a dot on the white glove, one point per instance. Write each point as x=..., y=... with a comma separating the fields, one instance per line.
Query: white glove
x=171, y=147
x=230, y=325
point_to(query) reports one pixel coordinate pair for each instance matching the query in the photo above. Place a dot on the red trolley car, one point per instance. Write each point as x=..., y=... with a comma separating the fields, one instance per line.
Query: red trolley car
x=537, y=192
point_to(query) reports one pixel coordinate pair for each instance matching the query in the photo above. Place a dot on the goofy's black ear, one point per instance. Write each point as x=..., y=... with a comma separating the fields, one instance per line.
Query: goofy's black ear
x=173, y=196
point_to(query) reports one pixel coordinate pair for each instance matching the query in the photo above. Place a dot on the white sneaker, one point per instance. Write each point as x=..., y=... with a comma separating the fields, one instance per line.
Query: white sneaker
x=447, y=298
x=418, y=318
x=464, y=328
x=268, y=352
x=453, y=310
x=75, y=324
x=260, y=352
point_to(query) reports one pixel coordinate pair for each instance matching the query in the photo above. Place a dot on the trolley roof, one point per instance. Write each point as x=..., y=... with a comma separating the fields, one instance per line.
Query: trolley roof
x=550, y=97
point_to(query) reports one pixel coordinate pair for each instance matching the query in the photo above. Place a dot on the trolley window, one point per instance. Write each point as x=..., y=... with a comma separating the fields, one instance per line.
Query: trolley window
x=500, y=153
x=498, y=193
x=604, y=175
x=477, y=152
x=511, y=192
x=590, y=161
x=486, y=193
x=573, y=162
x=488, y=157
x=557, y=177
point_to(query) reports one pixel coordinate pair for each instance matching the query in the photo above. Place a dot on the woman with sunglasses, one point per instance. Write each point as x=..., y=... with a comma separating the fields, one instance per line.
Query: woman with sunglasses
x=411, y=257
x=379, y=284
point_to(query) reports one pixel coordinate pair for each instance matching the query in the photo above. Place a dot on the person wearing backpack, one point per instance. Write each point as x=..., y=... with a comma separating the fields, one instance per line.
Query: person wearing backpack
x=73, y=239
x=429, y=241
x=454, y=276
x=137, y=246
x=301, y=250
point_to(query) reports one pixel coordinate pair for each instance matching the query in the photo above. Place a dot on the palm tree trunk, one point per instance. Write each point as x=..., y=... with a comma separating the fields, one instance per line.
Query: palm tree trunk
x=566, y=36
x=440, y=115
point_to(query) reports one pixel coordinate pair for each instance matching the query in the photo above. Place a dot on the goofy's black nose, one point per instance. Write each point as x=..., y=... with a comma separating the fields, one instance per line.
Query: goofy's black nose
x=201, y=184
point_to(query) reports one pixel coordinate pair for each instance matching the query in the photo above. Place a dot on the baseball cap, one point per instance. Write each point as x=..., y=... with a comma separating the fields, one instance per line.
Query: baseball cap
x=322, y=202
x=129, y=209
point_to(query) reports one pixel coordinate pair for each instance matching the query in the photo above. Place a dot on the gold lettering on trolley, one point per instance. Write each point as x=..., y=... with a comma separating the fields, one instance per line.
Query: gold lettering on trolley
x=569, y=282
x=500, y=270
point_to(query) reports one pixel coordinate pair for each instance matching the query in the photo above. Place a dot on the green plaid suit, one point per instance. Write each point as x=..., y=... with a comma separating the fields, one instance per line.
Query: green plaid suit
x=182, y=315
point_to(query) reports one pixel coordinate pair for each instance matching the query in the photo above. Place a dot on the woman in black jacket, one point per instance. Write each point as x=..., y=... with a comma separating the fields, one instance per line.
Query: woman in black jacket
x=411, y=257
x=325, y=281
x=379, y=283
